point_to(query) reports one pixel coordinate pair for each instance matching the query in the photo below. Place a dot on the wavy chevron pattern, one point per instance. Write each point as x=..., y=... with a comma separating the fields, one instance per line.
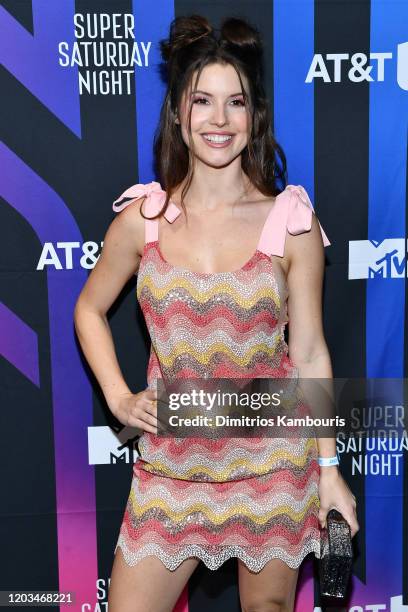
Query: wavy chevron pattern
x=251, y=498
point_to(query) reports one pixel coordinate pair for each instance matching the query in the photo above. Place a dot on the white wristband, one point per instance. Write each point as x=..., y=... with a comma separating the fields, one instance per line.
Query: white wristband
x=324, y=461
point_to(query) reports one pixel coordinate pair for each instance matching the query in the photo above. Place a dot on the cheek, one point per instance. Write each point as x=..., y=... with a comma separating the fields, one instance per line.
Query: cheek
x=199, y=116
x=241, y=121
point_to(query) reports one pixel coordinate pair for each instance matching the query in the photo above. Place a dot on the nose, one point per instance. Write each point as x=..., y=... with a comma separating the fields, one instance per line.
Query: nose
x=219, y=115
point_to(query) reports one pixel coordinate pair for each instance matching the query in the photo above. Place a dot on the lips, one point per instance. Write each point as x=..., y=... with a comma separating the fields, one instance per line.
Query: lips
x=217, y=145
x=217, y=134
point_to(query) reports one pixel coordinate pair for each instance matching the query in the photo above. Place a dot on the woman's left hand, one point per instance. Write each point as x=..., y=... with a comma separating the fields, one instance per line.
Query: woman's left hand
x=335, y=493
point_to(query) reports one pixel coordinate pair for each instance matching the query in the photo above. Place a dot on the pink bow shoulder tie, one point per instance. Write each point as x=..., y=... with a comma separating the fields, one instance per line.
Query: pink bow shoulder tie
x=292, y=212
x=157, y=197
x=300, y=212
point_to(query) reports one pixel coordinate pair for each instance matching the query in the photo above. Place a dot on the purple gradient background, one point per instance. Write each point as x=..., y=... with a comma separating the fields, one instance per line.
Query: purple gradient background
x=51, y=219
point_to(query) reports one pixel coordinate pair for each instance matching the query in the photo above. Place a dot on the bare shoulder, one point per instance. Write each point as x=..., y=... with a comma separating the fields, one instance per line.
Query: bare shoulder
x=305, y=248
x=129, y=225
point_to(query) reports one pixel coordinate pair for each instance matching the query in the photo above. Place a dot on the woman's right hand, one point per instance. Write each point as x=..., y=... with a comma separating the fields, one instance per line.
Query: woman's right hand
x=137, y=410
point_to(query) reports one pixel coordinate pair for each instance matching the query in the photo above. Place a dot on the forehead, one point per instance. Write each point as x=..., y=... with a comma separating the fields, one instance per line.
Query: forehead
x=219, y=80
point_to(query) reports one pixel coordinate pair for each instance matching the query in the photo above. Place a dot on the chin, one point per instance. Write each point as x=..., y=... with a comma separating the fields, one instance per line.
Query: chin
x=221, y=163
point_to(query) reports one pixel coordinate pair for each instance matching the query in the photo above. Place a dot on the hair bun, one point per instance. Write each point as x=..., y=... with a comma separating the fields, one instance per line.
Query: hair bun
x=245, y=38
x=183, y=32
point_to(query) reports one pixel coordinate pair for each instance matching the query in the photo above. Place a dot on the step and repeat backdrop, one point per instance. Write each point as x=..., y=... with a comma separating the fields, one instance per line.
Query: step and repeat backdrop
x=81, y=91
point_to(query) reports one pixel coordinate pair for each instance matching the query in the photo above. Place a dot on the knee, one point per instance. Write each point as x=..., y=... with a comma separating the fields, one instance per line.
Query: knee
x=254, y=604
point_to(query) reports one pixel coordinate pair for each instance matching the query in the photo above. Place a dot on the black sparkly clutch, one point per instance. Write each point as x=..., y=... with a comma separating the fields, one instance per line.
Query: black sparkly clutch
x=336, y=555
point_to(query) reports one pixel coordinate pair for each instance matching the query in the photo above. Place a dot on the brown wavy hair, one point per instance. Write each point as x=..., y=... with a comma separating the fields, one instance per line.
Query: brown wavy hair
x=193, y=44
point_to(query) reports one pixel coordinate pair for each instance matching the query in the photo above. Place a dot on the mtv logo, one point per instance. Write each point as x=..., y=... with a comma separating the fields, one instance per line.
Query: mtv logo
x=106, y=447
x=378, y=259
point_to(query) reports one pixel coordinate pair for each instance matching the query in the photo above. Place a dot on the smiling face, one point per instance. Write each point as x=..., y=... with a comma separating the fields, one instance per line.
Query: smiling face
x=219, y=115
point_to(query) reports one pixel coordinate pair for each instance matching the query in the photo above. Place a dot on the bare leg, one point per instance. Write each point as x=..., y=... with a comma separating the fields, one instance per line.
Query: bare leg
x=272, y=589
x=147, y=586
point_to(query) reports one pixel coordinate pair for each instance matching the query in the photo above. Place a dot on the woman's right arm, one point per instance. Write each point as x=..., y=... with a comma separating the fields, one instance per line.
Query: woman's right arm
x=117, y=263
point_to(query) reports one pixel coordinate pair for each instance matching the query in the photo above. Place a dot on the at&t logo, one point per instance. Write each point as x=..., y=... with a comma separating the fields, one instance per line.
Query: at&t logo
x=359, y=67
x=60, y=256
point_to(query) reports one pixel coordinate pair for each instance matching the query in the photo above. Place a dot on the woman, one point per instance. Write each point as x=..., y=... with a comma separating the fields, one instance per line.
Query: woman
x=224, y=260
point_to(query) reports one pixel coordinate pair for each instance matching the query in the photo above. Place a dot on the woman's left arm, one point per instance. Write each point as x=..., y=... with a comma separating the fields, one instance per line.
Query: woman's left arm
x=308, y=351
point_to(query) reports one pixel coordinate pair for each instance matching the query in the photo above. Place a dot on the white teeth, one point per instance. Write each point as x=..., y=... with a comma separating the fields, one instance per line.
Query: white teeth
x=214, y=138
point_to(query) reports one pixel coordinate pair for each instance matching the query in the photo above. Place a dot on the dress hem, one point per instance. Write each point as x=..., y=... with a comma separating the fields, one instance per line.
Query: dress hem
x=213, y=562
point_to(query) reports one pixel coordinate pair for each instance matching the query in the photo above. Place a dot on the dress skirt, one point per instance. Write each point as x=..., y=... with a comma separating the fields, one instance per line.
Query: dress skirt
x=256, y=519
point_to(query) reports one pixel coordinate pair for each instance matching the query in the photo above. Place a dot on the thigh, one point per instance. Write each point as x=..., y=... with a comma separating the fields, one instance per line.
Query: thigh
x=273, y=588
x=147, y=586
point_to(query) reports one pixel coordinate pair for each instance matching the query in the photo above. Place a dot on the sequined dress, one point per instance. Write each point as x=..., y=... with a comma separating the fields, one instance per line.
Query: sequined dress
x=251, y=498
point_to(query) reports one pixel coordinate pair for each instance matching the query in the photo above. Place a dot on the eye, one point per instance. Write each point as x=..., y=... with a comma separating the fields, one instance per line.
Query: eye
x=237, y=100
x=240, y=102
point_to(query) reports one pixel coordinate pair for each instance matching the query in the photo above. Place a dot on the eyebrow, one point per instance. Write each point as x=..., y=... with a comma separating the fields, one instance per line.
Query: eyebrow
x=208, y=94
